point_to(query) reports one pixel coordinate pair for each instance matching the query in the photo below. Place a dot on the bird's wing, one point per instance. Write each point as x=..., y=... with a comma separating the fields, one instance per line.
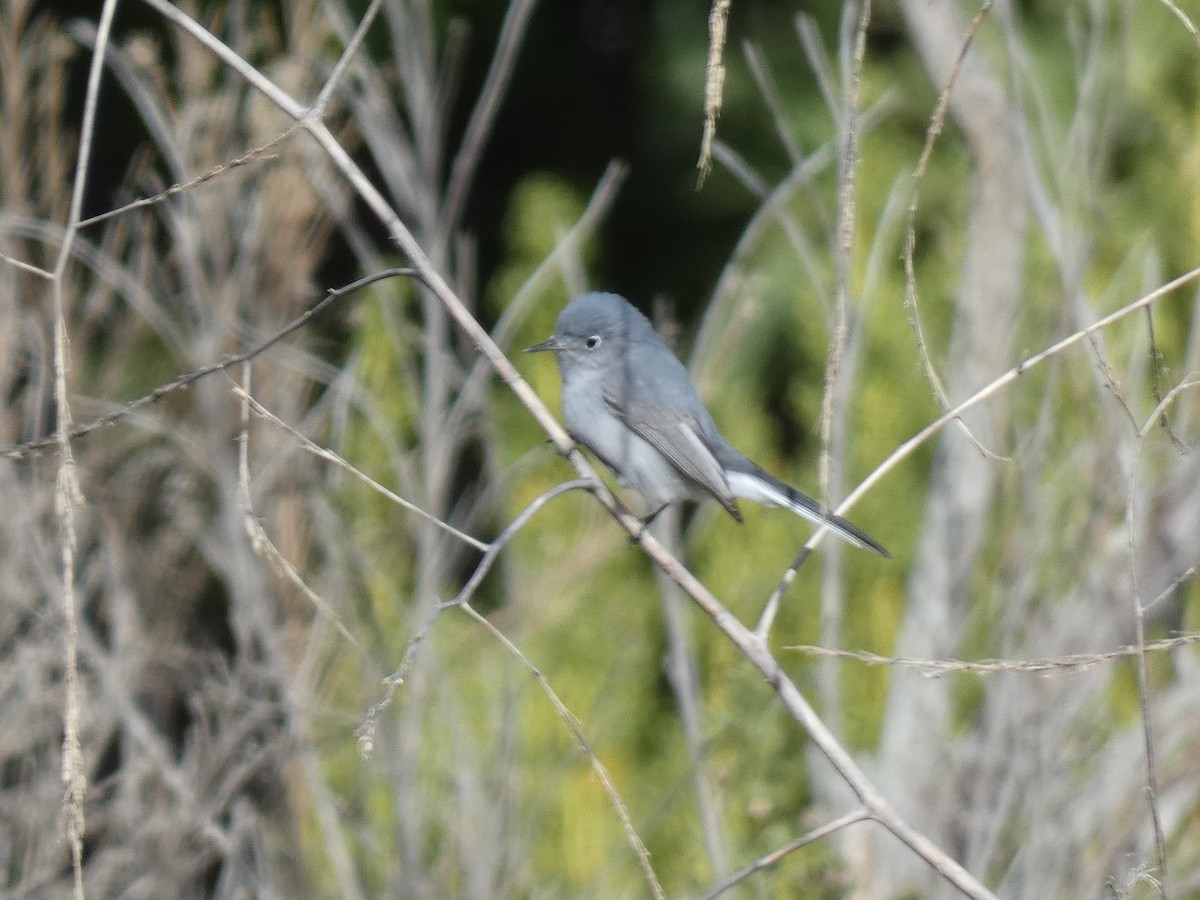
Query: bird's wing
x=678, y=435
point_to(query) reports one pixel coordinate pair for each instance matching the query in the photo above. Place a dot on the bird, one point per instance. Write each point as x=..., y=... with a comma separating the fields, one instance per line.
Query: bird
x=630, y=401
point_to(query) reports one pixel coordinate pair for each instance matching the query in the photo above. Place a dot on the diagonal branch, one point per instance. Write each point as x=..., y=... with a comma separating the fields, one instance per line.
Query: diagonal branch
x=770, y=859
x=186, y=380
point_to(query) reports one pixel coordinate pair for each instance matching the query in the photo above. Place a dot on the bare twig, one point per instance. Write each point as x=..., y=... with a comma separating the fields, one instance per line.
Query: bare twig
x=494, y=548
x=996, y=385
x=833, y=435
x=1184, y=19
x=770, y=859
x=68, y=493
x=259, y=540
x=1073, y=662
x=188, y=379
x=258, y=154
x=809, y=34
x=393, y=682
x=325, y=453
x=1156, y=373
x=910, y=238
x=908, y=447
x=1139, y=619
x=576, y=728
x=353, y=45
x=26, y=267
x=769, y=91
x=714, y=84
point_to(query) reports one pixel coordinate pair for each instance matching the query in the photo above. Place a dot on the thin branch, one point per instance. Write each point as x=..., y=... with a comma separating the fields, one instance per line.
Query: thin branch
x=1139, y=620
x=188, y=379
x=325, y=453
x=770, y=859
x=68, y=492
x=26, y=267
x=809, y=33
x=714, y=84
x=1068, y=664
x=834, y=441
x=766, y=618
x=910, y=237
x=769, y=91
x=393, y=682
x=576, y=728
x=494, y=548
x=258, y=154
x=998, y=384
x=347, y=56
x=1184, y=19
x=262, y=544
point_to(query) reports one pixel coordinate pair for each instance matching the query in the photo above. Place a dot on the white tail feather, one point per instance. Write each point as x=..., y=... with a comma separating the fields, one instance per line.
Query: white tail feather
x=751, y=487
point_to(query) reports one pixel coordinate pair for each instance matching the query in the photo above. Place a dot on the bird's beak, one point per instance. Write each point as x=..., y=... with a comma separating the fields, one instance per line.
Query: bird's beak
x=551, y=343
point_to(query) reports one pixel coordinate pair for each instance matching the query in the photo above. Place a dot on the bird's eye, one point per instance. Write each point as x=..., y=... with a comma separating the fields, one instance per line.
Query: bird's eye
x=593, y=342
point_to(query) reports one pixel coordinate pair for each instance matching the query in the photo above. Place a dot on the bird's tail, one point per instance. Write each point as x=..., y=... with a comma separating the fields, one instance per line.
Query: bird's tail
x=760, y=486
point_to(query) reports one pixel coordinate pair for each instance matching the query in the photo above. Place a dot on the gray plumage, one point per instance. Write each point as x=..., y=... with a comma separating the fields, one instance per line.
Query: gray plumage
x=629, y=400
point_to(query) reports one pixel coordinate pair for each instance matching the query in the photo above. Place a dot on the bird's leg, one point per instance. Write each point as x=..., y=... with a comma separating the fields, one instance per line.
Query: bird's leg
x=646, y=522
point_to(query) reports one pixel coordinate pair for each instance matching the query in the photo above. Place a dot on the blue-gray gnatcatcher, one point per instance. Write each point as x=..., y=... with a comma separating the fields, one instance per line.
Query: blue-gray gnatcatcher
x=631, y=402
